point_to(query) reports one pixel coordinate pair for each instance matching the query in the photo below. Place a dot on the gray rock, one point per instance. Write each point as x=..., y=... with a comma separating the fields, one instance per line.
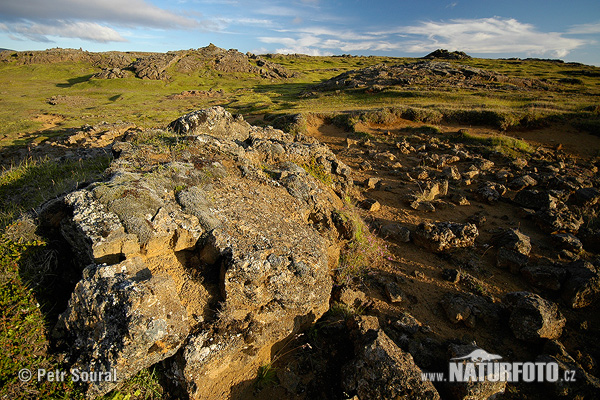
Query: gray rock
x=451, y=275
x=395, y=231
x=381, y=370
x=587, y=197
x=583, y=386
x=469, y=309
x=545, y=276
x=213, y=121
x=513, y=249
x=582, y=287
x=491, y=192
x=451, y=173
x=536, y=199
x=533, y=318
x=94, y=232
x=476, y=389
x=407, y=323
x=124, y=318
x=522, y=182
x=559, y=219
x=393, y=292
x=258, y=247
x=445, y=236
x=370, y=205
x=567, y=241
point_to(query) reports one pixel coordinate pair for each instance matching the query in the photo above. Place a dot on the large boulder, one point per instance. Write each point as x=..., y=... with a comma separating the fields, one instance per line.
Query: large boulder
x=120, y=319
x=240, y=220
x=533, y=318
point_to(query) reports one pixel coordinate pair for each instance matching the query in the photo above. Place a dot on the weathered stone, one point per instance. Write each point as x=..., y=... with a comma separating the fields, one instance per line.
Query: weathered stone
x=393, y=292
x=582, y=287
x=544, y=276
x=407, y=323
x=123, y=318
x=470, y=308
x=352, y=298
x=457, y=309
x=484, y=165
x=370, y=183
x=491, y=192
x=513, y=249
x=213, y=121
x=475, y=389
x=559, y=219
x=583, y=385
x=536, y=199
x=451, y=275
x=95, y=233
x=385, y=156
x=445, y=236
x=451, y=173
x=259, y=247
x=370, y=205
x=567, y=241
x=381, y=370
x=395, y=231
x=533, y=318
x=587, y=197
x=522, y=182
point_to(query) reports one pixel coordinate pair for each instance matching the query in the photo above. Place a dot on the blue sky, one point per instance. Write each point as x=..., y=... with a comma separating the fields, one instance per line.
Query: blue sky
x=483, y=28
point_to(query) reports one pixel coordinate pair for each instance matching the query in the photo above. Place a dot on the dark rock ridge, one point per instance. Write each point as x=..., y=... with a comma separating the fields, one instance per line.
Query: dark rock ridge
x=426, y=73
x=447, y=55
x=155, y=65
x=219, y=216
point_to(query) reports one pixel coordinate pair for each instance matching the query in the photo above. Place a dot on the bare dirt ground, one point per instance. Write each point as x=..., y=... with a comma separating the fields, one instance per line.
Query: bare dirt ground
x=418, y=271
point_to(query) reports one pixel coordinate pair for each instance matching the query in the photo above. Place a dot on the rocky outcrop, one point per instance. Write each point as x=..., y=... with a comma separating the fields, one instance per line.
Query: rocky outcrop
x=155, y=66
x=445, y=236
x=431, y=73
x=447, y=55
x=230, y=219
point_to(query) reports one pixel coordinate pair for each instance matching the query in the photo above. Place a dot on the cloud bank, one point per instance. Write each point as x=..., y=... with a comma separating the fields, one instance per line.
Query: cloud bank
x=87, y=20
x=494, y=35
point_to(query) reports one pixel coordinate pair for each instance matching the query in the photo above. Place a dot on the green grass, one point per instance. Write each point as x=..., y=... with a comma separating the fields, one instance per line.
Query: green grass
x=364, y=252
x=318, y=172
x=506, y=145
x=27, y=88
x=27, y=185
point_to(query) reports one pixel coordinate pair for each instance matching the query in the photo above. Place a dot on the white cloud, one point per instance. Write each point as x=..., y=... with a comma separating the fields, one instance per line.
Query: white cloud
x=585, y=29
x=489, y=35
x=479, y=36
x=87, y=20
x=127, y=13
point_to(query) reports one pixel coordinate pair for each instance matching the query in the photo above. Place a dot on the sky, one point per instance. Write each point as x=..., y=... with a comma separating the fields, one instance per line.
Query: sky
x=569, y=30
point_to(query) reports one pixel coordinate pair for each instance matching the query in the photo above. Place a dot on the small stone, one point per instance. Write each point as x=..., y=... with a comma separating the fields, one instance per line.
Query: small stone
x=451, y=275
x=393, y=292
x=370, y=205
x=370, y=183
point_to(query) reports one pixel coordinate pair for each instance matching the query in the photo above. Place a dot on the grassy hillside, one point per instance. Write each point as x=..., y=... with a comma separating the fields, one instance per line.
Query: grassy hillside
x=81, y=99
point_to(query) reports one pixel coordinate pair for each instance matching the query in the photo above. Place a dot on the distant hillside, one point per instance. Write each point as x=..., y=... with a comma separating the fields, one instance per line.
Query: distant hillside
x=154, y=65
x=5, y=49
